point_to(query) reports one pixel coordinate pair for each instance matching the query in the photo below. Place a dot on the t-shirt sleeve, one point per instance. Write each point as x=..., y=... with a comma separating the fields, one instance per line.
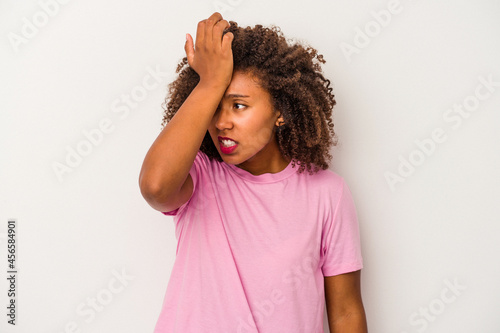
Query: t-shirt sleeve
x=195, y=171
x=340, y=242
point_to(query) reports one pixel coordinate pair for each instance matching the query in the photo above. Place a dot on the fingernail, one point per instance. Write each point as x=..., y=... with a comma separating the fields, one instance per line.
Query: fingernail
x=186, y=37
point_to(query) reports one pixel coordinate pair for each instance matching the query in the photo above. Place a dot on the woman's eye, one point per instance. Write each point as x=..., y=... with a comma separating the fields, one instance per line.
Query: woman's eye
x=239, y=106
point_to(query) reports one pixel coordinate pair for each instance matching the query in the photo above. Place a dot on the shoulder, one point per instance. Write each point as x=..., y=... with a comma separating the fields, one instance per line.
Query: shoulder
x=206, y=163
x=326, y=180
x=203, y=158
x=329, y=189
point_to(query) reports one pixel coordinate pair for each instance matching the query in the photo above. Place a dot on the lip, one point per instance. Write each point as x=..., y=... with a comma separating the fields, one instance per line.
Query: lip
x=226, y=150
x=225, y=138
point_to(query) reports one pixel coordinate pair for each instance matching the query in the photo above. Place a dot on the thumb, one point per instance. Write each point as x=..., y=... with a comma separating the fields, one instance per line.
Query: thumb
x=189, y=48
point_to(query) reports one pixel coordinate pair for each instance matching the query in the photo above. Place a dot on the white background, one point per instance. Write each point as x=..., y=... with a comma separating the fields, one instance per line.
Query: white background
x=76, y=232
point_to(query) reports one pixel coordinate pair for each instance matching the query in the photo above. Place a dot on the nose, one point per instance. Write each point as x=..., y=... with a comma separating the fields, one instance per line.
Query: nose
x=223, y=118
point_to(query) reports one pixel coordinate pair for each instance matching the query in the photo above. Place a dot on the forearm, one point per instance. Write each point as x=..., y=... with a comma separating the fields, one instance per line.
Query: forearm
x=353, y=322
x=168, y=161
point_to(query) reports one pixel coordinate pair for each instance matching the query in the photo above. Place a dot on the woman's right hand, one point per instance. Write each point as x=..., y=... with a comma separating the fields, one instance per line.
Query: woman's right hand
x=212, y=56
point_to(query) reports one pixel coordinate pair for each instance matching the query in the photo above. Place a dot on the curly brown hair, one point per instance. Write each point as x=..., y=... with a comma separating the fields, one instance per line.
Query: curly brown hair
x=292, y=75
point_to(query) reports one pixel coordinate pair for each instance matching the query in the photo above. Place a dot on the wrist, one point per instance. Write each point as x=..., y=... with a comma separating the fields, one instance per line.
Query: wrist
x=213, y=86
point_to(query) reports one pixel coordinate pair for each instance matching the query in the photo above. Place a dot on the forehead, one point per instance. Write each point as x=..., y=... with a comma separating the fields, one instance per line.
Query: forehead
x=244, y=83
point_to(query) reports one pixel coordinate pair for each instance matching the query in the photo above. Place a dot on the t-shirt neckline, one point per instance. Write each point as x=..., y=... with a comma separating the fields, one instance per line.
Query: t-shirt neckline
x=265, y=177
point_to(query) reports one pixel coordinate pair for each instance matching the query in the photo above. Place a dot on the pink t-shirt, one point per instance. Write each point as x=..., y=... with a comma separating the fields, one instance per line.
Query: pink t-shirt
x=253, y=251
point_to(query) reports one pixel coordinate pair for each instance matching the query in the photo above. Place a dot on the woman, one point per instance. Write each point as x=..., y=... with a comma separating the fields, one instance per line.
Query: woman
x=261, y=243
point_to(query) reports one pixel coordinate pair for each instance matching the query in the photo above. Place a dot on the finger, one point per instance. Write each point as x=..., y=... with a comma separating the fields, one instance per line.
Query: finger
x=218, y=30
x=227, y=40
x=209, y=26
x=215, y=17
x=200, y=32
x=189, y=48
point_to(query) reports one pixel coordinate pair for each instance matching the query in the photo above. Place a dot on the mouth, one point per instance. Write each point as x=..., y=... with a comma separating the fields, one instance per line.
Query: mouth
x=227, y=145
x=227, y=142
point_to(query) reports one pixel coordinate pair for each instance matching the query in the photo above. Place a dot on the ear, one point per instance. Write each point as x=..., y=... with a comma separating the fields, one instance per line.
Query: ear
x=280, y=121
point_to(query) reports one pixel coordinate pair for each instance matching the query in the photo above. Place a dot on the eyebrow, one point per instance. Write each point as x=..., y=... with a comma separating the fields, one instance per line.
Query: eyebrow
x=235, y=96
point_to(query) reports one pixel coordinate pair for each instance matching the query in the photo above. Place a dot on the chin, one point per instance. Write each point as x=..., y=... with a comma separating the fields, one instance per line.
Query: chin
x=231, y=159
x=227, y=158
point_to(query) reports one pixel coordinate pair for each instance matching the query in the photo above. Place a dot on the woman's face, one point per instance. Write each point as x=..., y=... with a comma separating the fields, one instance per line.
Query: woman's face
x=245, y=115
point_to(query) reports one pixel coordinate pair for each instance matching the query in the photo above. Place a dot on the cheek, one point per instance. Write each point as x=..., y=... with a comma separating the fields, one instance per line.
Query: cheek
x=261, y=133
